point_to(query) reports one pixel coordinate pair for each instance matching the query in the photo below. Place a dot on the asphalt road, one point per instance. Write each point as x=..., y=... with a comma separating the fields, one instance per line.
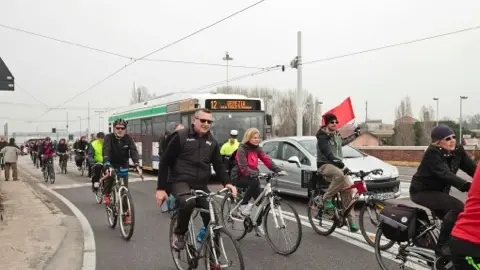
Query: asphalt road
x=149, y=246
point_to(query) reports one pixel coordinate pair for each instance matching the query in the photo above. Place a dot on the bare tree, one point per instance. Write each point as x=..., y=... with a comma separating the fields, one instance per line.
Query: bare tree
x=427, y=116
x=474, y=121
x=404, y=133
x=141, y=94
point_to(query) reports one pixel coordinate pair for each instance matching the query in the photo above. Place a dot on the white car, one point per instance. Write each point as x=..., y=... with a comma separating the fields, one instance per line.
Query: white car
x=294, y=154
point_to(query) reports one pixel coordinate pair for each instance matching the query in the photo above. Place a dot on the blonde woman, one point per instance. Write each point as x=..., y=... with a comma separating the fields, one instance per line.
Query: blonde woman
x=245, y=172
x=436, y=174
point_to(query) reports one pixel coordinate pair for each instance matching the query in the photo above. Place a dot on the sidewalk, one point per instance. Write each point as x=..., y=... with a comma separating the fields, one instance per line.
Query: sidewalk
x=32, y=229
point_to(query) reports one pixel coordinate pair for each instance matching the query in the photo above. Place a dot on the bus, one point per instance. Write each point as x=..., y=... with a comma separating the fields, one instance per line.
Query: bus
x=148, y=120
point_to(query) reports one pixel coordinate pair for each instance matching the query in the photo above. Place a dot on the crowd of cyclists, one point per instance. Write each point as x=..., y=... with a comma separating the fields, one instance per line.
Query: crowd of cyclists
x=187, y=154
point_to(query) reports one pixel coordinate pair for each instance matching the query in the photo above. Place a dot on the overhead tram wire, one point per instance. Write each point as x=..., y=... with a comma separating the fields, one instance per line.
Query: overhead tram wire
x=66, y=42
x=393, y=45
x=155, y=51
x=120, y=55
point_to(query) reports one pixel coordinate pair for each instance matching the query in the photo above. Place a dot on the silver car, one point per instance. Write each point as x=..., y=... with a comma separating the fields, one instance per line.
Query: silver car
x=294, y=154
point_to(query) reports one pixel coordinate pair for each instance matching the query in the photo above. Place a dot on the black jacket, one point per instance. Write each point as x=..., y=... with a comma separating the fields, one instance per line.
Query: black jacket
x=62, y=148
x=438, y=170
x=118, y=151
x=329, y=147
x=81, y=145
x=189, y=161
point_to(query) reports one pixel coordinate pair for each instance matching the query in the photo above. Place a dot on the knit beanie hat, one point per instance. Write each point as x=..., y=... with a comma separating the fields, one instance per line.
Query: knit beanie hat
x=329, y=117
x=441, y=131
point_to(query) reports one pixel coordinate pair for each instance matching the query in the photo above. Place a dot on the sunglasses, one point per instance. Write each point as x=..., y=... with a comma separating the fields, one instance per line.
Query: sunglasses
x=203, y=121
x=334, y=122
x=450, y=138
x=120, y=128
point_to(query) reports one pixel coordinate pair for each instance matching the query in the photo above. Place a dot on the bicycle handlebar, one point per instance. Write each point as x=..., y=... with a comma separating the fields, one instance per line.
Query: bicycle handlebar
x=363, y=174
x=198, y=193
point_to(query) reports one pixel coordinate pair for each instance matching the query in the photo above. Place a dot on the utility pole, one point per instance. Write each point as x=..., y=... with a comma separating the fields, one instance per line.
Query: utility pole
x=436, y=99
x=297, y=63
x=461, y=120
x=67, y=124
x=366, y=115
x=227, y=58
x=88, y=128
x=80, y=120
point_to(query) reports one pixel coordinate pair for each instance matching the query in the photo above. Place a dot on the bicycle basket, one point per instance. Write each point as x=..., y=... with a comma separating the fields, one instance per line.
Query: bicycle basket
x=311, y=180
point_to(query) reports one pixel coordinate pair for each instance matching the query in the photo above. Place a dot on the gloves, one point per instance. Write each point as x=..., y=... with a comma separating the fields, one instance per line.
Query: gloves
x=357, y=131
x=465, y=187
x=346, y=170
x=339, y=164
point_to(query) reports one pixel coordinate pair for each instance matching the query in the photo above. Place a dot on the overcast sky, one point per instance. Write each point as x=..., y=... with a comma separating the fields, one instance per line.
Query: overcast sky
x=262, y=36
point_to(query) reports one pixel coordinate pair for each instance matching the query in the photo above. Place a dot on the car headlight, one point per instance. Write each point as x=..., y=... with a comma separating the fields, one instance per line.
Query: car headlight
x=395, y=173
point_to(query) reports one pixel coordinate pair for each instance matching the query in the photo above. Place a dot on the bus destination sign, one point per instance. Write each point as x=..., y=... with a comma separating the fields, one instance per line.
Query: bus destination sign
x=231, y=104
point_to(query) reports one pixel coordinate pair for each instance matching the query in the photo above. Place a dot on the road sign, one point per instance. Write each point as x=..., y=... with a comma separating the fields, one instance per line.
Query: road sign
x=7, y=82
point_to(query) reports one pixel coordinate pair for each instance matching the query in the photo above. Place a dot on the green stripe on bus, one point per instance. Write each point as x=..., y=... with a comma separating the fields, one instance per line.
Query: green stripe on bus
x=162, y=109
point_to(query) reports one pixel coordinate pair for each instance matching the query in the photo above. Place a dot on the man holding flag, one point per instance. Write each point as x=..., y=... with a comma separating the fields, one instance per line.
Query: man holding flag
x=329, y=156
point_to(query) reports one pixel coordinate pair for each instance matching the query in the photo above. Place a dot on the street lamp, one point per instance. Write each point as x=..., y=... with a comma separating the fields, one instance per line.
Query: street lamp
x=461, y=120
x=227, y=58
x=80, y=120
x=436, y=99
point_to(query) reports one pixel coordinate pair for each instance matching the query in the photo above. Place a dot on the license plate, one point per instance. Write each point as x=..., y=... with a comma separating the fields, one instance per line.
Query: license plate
x=384, y=196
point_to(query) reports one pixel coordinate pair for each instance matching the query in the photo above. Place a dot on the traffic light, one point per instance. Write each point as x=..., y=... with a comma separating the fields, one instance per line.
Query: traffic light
x=54, y=130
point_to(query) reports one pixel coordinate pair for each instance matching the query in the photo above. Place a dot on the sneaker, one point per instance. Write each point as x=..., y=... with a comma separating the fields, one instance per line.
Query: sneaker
x=328, y=206
x=178, y=242
x=353, y=227
x=245, y=209
x=127, y=220
x=259, y=230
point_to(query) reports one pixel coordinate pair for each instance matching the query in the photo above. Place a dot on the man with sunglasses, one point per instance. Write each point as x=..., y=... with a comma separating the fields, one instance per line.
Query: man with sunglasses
x=118, y=148
x=186, y=163
x=330, y=165
x=436, y=174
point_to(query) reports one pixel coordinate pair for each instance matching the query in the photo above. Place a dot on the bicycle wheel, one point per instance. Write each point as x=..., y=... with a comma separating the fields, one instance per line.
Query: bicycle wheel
x=112, y=211
x=45, y=175
x=232, y=221
x=281, y=216
x=51, y=172
x=215, y=257
x=82, y=168
x=126, y=229
x=99, y=194
x=183, y=259
x=370, y=207
x=321, y=224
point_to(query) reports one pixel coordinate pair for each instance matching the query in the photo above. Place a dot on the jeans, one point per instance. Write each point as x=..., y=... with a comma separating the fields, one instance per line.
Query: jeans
x=186, y=208
x=338, y=181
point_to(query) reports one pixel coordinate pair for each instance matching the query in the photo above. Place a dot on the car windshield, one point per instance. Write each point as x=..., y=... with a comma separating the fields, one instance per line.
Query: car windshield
x=223, y=122
x=347, y=151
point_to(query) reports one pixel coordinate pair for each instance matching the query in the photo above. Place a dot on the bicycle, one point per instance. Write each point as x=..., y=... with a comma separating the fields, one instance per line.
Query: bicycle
x=212, y=238
x=272, y=202
x=340, y=215
x=63, y=162
x=84, y=163
x=421, y=246
x=49, y=172
x=116, y=207
x=99, y=191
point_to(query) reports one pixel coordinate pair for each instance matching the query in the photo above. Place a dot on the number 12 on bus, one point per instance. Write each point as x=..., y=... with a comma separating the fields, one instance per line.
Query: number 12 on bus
x=149, y=120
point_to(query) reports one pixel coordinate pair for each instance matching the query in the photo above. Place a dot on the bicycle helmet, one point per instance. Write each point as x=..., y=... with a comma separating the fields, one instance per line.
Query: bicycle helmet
x=120, y=121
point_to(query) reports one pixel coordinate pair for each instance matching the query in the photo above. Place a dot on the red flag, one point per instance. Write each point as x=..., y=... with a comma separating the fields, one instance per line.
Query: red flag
x=344, y=113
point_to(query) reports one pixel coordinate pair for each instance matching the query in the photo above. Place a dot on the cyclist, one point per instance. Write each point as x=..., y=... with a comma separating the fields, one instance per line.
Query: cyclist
x=464, y=242
x=186, y=163
x=118, y=148
x=80, y=147
x=330, y=166
x=90, y=165
x=95, y=158
x=245, y=172
x=61, y=151
x=437, y=172
x=231, y=145
x=46, y=152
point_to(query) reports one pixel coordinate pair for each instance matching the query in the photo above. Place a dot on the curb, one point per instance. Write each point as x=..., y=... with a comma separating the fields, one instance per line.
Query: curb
x=89, y=248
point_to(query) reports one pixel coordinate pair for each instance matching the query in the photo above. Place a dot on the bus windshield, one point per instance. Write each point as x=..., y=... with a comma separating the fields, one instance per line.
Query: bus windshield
x=223, y=122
